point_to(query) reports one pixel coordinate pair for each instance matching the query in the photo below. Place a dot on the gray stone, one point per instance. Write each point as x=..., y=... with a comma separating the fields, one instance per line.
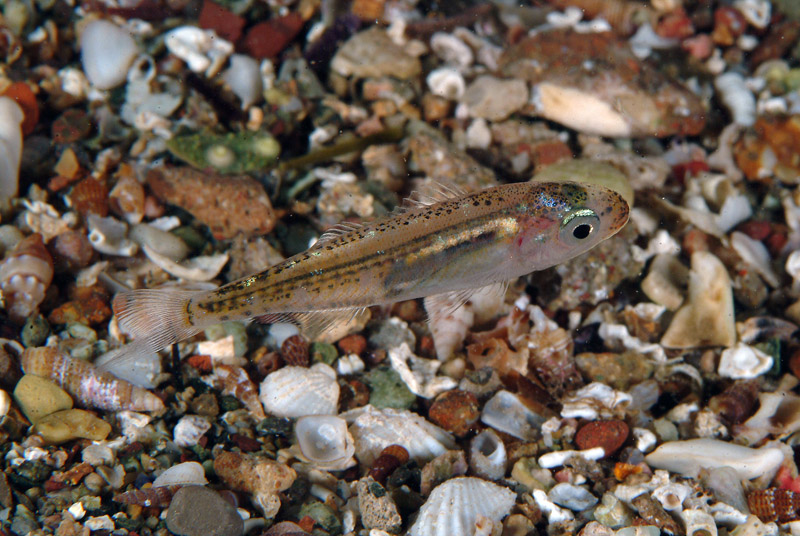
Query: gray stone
x=372, y=53
x=199, y=511
x=494, y=98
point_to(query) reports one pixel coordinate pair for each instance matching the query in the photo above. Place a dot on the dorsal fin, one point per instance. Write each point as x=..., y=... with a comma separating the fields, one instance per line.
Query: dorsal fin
x=430, y=192
x=337, y=230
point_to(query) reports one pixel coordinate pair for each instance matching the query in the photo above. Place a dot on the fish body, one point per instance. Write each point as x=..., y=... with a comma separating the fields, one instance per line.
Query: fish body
x=449, y=247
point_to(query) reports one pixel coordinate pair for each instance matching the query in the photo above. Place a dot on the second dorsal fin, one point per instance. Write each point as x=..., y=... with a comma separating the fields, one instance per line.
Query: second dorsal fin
x=433, y=191
x=337, y=230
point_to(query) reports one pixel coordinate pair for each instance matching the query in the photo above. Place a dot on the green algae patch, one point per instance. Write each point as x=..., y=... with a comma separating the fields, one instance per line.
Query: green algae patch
x=238, y=152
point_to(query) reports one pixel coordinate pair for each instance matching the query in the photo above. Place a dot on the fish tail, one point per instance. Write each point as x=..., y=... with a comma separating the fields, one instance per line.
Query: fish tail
x=156, y=317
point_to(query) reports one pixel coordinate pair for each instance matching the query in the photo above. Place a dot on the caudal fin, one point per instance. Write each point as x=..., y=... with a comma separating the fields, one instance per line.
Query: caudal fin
x=155, y=317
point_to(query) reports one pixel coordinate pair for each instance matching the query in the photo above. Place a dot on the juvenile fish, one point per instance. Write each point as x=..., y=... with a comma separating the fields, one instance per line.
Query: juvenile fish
x=448, y=246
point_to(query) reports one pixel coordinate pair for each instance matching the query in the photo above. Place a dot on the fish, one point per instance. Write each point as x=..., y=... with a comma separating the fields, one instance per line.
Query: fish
x=444, y=244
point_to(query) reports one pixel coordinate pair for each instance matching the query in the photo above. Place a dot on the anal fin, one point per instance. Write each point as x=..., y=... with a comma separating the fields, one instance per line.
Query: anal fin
x=325, y=326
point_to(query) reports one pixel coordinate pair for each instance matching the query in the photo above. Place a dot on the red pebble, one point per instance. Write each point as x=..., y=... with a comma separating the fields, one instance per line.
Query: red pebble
x=456, y=411
x=695, y=240
x=700, y=46
x=610, y=435
x=729, y=24
x=247, y=444
x=757, y=230
x=390, y=459
x=267, y=39
x=352, y=344
x=689, y=169
x=675, y=25
x=225, y=23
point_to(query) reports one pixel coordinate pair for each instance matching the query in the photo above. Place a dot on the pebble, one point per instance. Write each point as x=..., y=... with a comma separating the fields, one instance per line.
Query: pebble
x=388, y=390
x=495, y=99
x=261, y=476
x=69, y=424
x=571, y=496
x=106, y=53
x=229, y=205
x=372, y=53
x=199, y=511
x=593, y=83
x=38, y=397
x=620, y=371
x=456, y=411
x=378, y=510
x=610, y=435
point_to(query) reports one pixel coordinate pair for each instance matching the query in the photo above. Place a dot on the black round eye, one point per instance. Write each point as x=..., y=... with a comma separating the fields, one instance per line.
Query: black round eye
x=578, y=226
x=582, y=231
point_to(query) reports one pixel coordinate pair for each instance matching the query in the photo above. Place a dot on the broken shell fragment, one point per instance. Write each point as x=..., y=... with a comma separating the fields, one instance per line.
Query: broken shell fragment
x=505, y=412
x=689, y=457
x=375, y=429
x=106, y=53
x=743, y=362
x=708, y=317
x=455, y=507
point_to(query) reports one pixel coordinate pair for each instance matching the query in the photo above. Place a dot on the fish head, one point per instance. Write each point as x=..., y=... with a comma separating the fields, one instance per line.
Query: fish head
x=564, y=219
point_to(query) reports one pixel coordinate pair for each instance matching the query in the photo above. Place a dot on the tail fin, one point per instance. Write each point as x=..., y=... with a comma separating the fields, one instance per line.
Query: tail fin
x=156, y=317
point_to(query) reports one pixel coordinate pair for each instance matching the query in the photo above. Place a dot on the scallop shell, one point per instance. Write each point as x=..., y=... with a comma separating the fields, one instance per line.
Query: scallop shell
x=299, y=391
x=25, y=275
x=455, y=506
x=325, y=441
x=375, y=429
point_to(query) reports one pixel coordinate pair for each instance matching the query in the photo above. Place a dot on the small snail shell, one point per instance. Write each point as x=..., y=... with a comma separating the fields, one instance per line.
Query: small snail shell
x=25, y=275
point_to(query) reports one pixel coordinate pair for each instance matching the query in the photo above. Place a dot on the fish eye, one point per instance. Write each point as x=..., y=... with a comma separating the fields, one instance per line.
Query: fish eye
x=578, y=225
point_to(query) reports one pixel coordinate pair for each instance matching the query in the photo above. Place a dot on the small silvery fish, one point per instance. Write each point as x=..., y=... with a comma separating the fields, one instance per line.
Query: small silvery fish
x=448, y=246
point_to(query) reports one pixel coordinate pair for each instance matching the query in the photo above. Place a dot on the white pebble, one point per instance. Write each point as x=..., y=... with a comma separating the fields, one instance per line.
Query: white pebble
x=645, y=439
x=559, y=458
x=244, y=79
x=554, y=513
x=349, y=364
x=757, y=12
x=737, y=98
x=77, y=511
x=100, y=523
x=107, y=51
x=5, y=403
x=452, y=50
x=478, y=134
x=446, y=82
x=280, y=331
x=202, y=50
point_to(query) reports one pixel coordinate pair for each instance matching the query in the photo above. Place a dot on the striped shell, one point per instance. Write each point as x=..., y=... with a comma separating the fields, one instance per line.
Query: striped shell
x=234, y=381
x=455, y=506
x=87, y=384
x=775, y=504
x=299, y=391
x=25, y=274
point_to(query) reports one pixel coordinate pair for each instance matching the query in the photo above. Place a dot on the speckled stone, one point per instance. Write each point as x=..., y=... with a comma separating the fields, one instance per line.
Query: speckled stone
x=388, y=390
x=372, y=53
x=378, y=510
x=199, y=511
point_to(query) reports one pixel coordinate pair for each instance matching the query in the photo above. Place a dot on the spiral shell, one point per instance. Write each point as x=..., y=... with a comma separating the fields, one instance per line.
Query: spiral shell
x=84, y=382
x=775, y=504
x=25, y=275
x=455, y=507
x=127, y=199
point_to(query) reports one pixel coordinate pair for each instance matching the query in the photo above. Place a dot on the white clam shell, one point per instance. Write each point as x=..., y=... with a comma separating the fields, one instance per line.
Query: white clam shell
x=689, y=457
x=202, y=268
x=455, y=506
x=375, y=429
x=182, y=474
x=299, y=391
x=743, y=362
x=325, y=440
x=106, y=53
x=244, y=79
